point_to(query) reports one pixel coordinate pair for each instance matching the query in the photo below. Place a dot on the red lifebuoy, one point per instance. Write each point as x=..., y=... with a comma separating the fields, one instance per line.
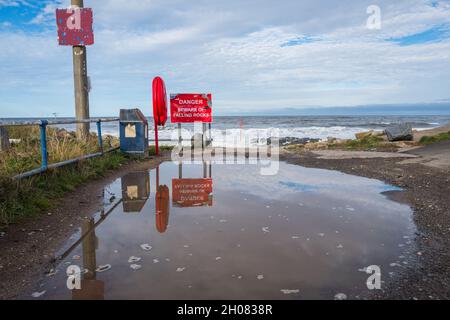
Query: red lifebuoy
x=159, y=101
x=159, y=106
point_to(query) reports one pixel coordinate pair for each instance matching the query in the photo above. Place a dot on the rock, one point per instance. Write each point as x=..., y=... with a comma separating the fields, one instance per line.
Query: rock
x=135, y=266
x=287, y=141
x=316, y=145
x=134, y=259
x=290, y=291
x=404, y=144
x=362, y=135
x=400, y=132
x=340, y=296
x=38, y=294
x=331, y=139
x=103, y=268
x=197, y=141
x=146, y=247
x=371, y=133
x=14, y=141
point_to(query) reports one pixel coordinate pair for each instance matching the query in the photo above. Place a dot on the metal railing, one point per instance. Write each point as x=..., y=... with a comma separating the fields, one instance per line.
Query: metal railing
x=43, y=137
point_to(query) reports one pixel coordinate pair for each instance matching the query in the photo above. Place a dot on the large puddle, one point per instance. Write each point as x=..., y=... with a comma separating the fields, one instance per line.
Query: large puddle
x=227, y=232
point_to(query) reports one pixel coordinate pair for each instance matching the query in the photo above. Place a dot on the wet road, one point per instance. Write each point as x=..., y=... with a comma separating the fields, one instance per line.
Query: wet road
x=227, y=232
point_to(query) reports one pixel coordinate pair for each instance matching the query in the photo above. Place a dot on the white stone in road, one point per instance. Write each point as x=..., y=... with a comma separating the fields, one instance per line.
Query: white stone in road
x=260, y=277
x=290, y=291
x=103, y=268
x=180, y=269
x=340, y=296
x=135, y=266
x=134, y=259
x=38, y=294
x=146, y=247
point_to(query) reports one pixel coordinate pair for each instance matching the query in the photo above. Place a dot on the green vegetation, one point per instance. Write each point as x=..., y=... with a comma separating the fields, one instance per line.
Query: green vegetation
x=366, y=143
x=61, y=145
x=427, y=140
x=36, y=194
x=152, y=150
x=32, y=196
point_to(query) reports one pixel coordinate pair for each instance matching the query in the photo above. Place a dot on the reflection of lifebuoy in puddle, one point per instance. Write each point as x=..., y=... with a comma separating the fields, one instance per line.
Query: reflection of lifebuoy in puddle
x=162, y=208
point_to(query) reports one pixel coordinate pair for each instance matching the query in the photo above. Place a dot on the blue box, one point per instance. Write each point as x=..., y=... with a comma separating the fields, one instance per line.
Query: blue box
x=133, y=131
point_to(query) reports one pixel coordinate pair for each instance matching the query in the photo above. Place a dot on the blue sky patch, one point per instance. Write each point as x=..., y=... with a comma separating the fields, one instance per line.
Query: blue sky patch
x=299, y=186
x=434, y=34
x=299, y=41
x=20, y=17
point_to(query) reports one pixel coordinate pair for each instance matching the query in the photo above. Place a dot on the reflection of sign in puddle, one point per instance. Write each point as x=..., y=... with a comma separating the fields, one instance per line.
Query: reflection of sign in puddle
x=192, y=192
x=135, y=191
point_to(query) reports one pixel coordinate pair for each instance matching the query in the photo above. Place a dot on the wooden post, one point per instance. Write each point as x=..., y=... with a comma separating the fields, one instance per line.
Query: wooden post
x=81, y=84
x=4, y=139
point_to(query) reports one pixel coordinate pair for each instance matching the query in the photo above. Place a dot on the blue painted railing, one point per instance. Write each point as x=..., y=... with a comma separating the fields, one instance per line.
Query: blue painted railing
x=44, y=154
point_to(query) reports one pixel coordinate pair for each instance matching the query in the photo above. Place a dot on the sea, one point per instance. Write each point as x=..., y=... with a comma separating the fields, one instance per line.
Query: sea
x=226, y=129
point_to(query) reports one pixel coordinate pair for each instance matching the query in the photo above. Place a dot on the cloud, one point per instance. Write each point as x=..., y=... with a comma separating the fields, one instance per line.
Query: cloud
x=251, y=55
x=15, y=3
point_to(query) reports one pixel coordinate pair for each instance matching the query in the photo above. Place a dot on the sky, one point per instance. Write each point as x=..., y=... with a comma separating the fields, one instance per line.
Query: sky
x=254, y=56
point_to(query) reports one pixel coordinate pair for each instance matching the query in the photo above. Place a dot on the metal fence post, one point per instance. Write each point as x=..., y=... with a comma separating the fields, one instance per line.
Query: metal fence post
x=43, y=127
x=99, y=134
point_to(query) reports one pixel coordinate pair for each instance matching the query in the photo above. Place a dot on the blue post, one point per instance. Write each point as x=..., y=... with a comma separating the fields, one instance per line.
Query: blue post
x=99, y=134
x=43, y=127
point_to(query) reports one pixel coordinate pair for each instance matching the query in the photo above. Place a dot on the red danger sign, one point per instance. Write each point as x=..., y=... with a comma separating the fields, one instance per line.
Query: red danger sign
x=190, y=107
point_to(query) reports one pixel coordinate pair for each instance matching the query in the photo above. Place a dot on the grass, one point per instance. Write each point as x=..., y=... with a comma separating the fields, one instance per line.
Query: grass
x=427, y=140
x=61, y=145
x=35, y=195
x=152, y=150
x=32, y=196
x=366, y=143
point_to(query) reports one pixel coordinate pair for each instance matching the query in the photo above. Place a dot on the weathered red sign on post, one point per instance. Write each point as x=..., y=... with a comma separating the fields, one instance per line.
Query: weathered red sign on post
x=190, y=107
x=75, y=26
x=192, y=192
x=75, y=29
